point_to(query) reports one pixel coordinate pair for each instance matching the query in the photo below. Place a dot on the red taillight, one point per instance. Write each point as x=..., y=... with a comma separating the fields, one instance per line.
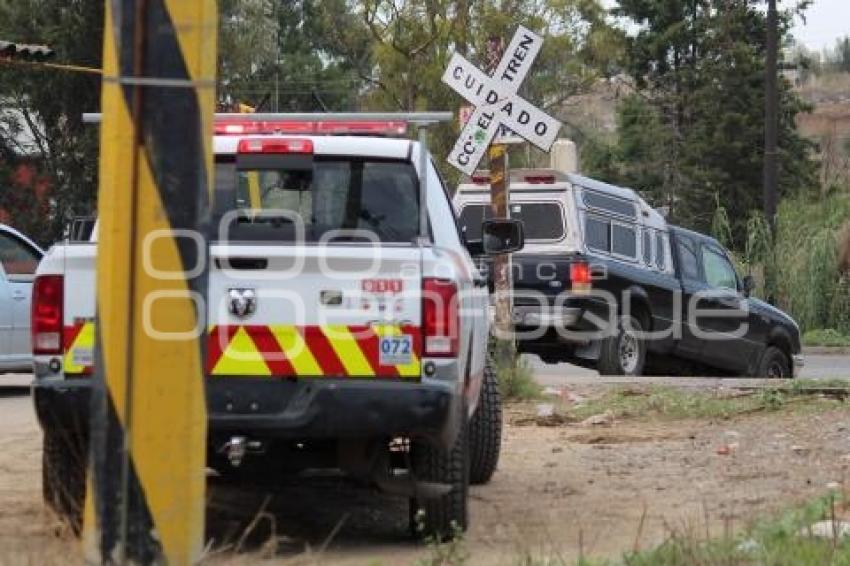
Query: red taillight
x=481, y=179
x=47, y=299
x=272, y=145
x=439, y=318
x=580, y=276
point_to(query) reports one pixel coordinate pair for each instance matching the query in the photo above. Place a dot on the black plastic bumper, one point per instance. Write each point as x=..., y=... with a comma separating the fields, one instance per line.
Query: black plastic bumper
x=297, y=409
x=332, y=408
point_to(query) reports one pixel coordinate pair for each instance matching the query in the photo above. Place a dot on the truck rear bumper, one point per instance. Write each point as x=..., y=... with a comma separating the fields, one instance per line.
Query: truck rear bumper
x=536, y=316
x=333, y=408
x=304, y=409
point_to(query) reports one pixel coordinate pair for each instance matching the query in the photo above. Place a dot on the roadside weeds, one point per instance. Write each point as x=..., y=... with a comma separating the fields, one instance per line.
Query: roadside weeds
x=789, y=538
x=675, y=403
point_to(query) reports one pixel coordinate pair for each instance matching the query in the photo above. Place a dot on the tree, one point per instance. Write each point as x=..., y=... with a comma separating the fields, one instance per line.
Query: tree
x=298, y=56
x=412, y=41
x=699, y=68
x=42, y=120
x=839, y=58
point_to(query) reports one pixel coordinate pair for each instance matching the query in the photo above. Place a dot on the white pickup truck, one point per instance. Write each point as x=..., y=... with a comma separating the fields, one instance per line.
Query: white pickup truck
x=339, y=335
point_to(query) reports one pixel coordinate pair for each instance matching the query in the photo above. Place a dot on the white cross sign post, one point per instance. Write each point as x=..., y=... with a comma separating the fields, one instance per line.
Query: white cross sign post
x=497, y=102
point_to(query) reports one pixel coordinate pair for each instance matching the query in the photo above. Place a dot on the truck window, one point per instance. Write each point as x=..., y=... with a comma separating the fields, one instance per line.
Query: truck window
x=598, y=234
x=543, y=221
x=338, y=194
x=719, y=273
x=16, y=257
x=660, y=253
x=603, y=235
x=624, y=241
x=471, y=218
x=647, y=248
x=688, y=259
x=609, y=204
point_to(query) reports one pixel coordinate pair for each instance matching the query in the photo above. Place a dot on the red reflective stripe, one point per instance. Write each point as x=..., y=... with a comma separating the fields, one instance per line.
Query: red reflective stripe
x=269, y=348
x=70, y=334
x=220, y=337
x=322, y=350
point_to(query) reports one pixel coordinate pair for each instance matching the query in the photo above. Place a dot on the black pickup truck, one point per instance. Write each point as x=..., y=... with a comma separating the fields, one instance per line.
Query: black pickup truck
x=604, y=282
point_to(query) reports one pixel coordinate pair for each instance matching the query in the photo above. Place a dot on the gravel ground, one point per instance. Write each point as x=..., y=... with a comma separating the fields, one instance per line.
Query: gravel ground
x=560, y=490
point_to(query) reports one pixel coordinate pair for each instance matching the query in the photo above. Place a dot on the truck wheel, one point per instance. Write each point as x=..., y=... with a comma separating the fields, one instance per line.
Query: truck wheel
x=63, y=475
x=485, y=430
x=774, y=364
x=625, y=352
x=441, y=518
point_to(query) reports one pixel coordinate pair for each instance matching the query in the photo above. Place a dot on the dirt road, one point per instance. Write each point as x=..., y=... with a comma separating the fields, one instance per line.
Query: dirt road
x=562, y=491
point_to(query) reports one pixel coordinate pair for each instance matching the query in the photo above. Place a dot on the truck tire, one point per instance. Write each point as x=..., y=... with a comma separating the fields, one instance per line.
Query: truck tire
x=774, y=364
x=441, y=518
x=625, y=352
x=485, y=430
x=63, y=476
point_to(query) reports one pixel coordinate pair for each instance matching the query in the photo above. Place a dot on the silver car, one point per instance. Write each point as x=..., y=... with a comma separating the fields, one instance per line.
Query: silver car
x=19, y=258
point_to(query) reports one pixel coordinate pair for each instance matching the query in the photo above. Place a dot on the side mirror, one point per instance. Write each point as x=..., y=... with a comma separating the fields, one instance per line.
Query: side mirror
x=749, y=285
x=502, y=236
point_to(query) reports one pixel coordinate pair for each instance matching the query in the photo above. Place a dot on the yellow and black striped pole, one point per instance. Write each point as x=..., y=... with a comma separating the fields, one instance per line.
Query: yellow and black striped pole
x=145, y=500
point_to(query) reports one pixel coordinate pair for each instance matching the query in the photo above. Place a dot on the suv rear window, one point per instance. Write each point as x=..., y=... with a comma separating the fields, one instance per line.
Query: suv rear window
x=334, y=198
x=542, y=220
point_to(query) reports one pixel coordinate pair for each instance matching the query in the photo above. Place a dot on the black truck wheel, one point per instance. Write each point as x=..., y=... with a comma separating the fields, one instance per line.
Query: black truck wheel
x=441, y=518
x=624, y=353
x=485, y=430
x=774, y=364
x=63, y=475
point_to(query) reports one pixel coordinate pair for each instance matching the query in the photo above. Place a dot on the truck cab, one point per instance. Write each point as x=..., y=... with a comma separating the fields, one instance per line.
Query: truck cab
x=605, y=282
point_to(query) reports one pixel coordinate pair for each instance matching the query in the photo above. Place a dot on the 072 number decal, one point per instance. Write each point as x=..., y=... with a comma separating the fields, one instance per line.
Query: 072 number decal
x=396, y=350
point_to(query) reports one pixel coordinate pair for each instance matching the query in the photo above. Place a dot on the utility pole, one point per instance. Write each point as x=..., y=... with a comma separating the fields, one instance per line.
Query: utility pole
x=148, y=413
x=499, y=194
x=771, y=116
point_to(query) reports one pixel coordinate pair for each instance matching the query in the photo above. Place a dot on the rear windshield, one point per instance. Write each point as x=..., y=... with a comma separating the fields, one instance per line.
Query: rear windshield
x=340, y=199
x=541, y=220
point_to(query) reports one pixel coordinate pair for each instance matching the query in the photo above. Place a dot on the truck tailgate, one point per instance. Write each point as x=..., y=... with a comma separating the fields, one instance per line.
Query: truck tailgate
x=310, y=316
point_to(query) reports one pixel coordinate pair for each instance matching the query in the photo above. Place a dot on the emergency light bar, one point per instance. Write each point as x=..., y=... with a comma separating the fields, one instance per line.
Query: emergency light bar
x=250, y=126
x=318, y=122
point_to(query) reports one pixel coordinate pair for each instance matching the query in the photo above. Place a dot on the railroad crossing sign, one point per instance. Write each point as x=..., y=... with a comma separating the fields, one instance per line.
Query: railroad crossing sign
x=497, y=102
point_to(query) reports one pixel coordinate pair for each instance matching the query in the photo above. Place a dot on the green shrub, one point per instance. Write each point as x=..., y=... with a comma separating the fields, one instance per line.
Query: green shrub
x=807, y=280
x=825, y=337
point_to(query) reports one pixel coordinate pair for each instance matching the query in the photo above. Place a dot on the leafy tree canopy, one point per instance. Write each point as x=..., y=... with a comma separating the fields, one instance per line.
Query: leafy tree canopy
x=41, y=122
x=693, y=130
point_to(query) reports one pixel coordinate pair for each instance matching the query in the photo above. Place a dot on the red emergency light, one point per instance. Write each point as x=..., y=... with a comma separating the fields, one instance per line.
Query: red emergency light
x=247, y=126
x=275, y=145
x=374, y=128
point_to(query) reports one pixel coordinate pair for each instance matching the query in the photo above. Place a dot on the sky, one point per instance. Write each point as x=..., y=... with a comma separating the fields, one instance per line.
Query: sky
x=826, y=21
